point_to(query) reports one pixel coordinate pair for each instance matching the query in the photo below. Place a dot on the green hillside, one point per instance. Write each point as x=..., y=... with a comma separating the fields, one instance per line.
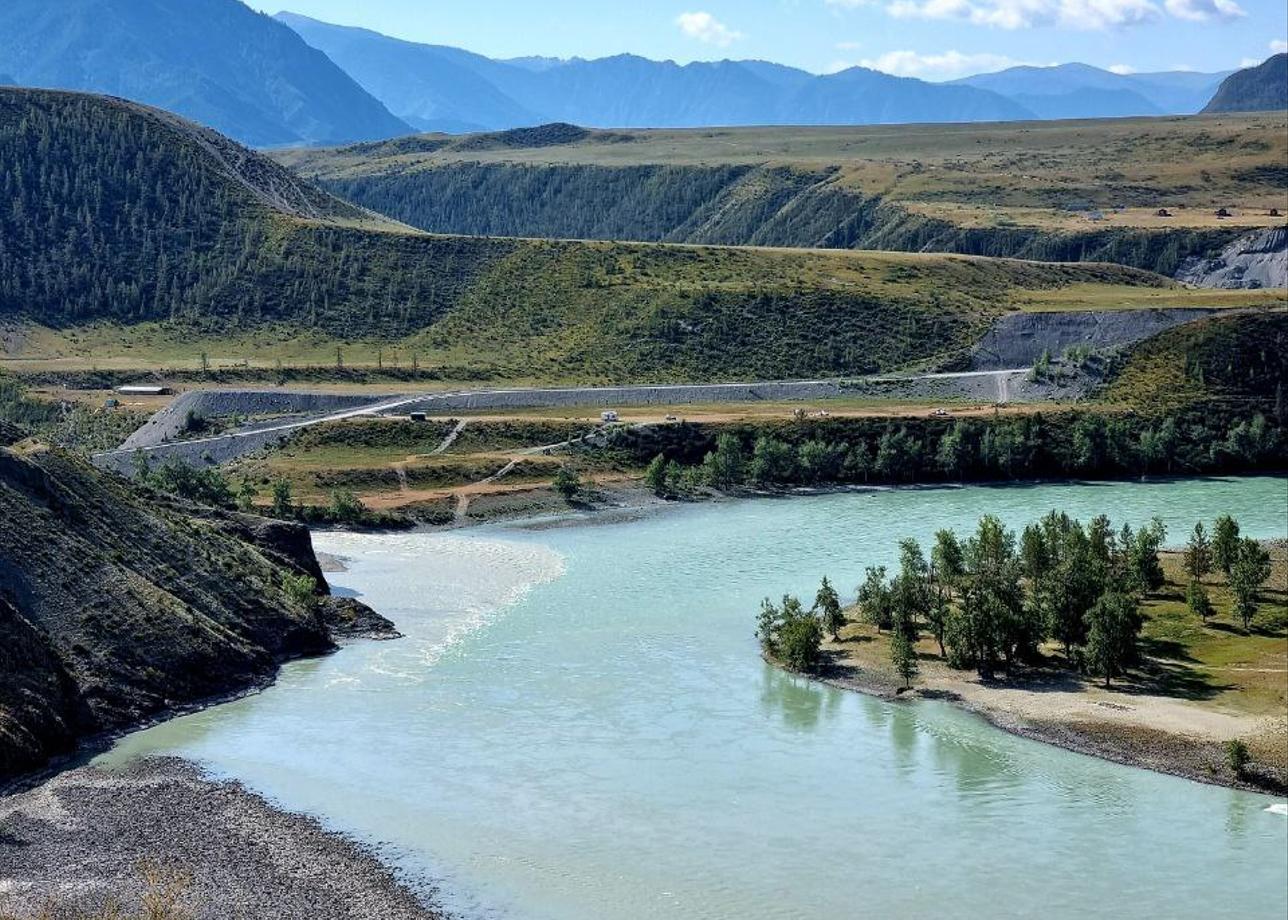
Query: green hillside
x=1240, y=360
x=1063, y=191
x=155, y=221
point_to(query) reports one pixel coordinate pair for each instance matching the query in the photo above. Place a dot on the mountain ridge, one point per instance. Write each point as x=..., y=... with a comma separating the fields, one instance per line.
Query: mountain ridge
x=626, y=90
x=213, y=61
x=1254, y=89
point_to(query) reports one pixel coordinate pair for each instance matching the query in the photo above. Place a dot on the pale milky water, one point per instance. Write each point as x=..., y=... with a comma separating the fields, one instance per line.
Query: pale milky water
x=578, y=725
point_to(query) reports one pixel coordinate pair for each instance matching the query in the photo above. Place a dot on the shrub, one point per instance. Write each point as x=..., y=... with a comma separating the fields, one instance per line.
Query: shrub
x=1237, y=756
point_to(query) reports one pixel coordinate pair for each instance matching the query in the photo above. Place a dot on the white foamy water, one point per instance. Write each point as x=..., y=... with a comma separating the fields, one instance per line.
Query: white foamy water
x=471, y=582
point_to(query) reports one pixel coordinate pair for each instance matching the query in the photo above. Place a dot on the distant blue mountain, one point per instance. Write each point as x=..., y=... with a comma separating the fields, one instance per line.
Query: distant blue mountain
x=434, y=86
x=215, y=61
x=1083, y=91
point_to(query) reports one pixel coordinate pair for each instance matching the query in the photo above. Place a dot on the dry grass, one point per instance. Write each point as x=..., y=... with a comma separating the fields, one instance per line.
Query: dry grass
x=1019, y=173
x=164, y=896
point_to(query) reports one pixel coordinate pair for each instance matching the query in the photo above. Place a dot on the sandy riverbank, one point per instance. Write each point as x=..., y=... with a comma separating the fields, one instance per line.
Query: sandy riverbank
x=1123, y=725
x=87, y=837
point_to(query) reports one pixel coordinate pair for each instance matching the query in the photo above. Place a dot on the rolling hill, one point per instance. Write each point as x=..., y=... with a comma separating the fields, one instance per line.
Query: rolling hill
x=1067, y=191
x=159, y=221
x=1240, y=360
x=214, y=61
x=1256, y=89
x=446, y=89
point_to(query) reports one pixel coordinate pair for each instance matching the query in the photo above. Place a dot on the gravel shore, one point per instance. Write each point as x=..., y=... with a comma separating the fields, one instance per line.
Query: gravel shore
x=88, y=836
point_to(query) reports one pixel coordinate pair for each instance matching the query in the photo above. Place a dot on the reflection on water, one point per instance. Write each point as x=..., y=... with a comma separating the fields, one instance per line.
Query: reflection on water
x=578, y=725
x=799, y=702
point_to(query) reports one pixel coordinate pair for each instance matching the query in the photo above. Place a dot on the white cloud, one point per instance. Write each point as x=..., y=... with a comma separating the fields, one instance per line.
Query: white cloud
x=1121, y=69
x=1278, y=46
x=946, y=66
x=848, y=4
x=1069, y=14
x=1249, y=62
x=848, y=46
x=706, y=28
x=1204, y=10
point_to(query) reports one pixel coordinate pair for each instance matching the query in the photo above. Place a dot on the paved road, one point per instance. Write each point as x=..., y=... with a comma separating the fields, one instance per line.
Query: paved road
x=222, y=448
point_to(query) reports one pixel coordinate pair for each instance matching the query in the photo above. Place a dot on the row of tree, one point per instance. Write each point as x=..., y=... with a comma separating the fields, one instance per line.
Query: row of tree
x=991, y=601
x=210, y=486
x=1243, y=561
x=1002, y=448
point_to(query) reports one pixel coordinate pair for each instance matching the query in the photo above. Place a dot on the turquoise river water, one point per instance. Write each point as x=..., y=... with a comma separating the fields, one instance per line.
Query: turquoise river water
x=578, y=725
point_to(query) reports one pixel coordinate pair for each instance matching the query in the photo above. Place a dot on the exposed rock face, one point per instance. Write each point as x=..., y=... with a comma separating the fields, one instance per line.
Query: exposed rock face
x=114, y=607
x=1019, y=339
x=1258, y=260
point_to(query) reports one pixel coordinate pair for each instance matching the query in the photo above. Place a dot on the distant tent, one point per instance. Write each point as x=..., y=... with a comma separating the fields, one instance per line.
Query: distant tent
x=1222, y=212
x=1274, y=212
x=1162, y=212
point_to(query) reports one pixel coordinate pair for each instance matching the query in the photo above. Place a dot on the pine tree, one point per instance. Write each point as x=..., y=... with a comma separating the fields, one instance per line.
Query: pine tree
x=828, y=605
x=1225, y=542
x=903, y=655
x=1198, y=553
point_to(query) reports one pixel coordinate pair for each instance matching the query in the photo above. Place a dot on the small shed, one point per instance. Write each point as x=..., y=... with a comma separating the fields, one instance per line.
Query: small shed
x=608, y=416
x=1223, y=212
x=140, y=390
x=1162, y=212
x=418, y=417
x=1274, y=212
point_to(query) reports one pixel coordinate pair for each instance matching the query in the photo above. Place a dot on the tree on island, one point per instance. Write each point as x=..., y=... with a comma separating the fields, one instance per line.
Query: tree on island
x=1248, y=572
x=903, y=655
x=1111, y=640
x=945, y=572
x=876, y=601
x=828, y=605
x=1198, y=554
x=1197, y=600
x=790, y=633
x=1225, y=542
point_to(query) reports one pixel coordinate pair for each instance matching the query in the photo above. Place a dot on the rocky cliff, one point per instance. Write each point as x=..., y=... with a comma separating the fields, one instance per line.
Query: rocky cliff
x=115, y=606
x=1257, y=260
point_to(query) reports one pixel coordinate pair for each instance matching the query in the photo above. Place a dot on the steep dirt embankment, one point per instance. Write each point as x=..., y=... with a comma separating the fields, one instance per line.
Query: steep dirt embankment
x=1019, y=339
x=736, y=205
x=115, y=607
x=172, y=421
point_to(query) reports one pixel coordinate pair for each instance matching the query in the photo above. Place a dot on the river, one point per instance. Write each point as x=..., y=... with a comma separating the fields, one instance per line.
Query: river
x=578, y=725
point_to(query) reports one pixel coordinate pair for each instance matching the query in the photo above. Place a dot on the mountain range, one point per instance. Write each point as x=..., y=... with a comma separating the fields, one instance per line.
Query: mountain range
x=215, y=61
x=440, y=88
x=291, y=80
x=1255, y=89
x=1083, y=91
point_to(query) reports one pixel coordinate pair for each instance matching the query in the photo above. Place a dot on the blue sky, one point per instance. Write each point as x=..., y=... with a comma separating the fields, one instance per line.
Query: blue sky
x=932, y=39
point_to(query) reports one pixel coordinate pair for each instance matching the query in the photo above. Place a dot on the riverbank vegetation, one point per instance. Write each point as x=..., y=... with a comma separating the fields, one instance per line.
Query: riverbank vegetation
x=1059, y=444
x=1069, y=605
